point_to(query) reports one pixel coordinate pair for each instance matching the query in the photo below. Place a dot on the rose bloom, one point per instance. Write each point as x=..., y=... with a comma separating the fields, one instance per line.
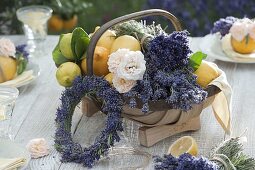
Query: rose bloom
x=7, y=48
x=239, y=30
x=126, y=64
x=122, y=85
x=38, y=147
x=115, y=59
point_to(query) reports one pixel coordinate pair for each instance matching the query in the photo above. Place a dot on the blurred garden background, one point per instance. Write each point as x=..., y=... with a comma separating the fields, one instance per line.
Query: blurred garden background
x=197, y=16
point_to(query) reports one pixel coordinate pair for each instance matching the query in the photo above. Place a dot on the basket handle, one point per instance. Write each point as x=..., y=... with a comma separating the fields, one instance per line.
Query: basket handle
x=136, y=15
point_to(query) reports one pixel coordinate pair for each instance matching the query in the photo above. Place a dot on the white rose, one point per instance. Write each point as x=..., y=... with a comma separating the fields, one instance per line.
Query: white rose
x=132, y=66
x=122, y=85
x=38, y=147
x=7, y=48
x=251, y=30
x=115, y=59
x=239, y=30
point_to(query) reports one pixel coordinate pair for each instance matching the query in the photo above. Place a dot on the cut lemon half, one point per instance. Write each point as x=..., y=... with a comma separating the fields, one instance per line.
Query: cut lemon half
x=185, y=144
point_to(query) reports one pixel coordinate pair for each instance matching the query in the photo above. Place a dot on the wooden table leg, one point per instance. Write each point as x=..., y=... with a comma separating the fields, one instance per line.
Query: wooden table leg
x=148, y=136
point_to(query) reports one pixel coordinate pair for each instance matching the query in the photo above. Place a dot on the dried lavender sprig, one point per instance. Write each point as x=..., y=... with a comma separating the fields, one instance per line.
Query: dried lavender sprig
x=230, y=153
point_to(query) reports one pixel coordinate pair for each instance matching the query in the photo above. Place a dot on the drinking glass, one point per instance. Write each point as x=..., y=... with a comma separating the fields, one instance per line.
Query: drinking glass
x=35, y=19
x=8, y=96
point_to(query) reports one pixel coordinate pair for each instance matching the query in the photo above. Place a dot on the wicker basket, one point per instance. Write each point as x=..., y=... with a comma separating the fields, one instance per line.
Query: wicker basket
x=162, y=121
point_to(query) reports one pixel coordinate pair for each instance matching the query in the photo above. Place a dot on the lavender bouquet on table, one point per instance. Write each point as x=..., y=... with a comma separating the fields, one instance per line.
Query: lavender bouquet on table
x=227, y=156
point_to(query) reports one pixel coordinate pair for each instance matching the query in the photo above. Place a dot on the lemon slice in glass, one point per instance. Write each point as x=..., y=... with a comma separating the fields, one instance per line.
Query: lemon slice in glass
x=2, y=117
x=185, y=144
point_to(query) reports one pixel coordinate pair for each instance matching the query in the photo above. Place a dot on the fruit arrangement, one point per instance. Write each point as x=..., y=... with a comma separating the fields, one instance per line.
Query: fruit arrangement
x=240, y=33
x=70, y=56
x=13, y=60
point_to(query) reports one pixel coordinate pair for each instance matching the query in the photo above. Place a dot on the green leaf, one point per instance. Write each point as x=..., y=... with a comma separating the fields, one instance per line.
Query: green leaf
x=57, y=55
x=81, y=46
x=196, y=59
x=21, y=64
x=79, y=42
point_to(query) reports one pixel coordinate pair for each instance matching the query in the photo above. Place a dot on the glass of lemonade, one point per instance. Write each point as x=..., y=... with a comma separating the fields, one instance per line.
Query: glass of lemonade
x=35, y=20
x=8, y=96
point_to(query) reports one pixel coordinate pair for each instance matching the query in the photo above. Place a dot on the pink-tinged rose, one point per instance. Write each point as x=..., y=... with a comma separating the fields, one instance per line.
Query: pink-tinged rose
x=38, y=147
x=7, y=48
x=251, y=30
x=115, y=59
x=239, y=30
x=122, y=85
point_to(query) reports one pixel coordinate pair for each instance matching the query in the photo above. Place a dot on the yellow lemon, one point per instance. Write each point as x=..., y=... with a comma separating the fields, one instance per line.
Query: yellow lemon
x=126, y=41
x=205, y=74
x=109, y=77
x=100, y=66
x=246, y=46
x=185, y=144
x=65, y=46
x=67, y=72
x=8, y=68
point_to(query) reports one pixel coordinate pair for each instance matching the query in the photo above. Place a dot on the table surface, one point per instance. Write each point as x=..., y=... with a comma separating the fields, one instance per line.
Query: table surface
x=35, y=110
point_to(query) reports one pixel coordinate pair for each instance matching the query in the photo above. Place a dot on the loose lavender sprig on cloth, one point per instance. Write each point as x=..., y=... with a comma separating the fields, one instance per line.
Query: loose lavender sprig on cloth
x=223, y=25
x=64, y=143
x=227, y=156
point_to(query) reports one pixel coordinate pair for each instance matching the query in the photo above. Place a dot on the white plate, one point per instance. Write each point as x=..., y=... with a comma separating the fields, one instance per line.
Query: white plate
x=211, y=45
x=9, y=149
x=36, y=72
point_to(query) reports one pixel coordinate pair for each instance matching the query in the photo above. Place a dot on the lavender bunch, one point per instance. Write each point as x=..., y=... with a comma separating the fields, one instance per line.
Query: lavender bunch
x=170, y=76
x=184, y=162
x=223, y=25
x=73, y=152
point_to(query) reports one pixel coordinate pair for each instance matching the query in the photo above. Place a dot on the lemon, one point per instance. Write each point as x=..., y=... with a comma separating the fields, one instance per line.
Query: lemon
x=66, y=73
x=100, y=66
x=126, y=41
x=109, y=77
x=246, y=46
x=8, y=68
x=65, y=46
x=205, y=74
x=185, y=144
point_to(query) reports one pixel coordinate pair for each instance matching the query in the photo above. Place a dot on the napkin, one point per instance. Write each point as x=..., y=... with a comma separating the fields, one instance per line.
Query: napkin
x=228, y=49
x=20, y=79
x=222, y=103
x=10, y=164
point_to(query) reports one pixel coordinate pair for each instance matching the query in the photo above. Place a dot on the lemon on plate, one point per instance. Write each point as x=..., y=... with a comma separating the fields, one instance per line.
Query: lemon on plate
x=185, y=144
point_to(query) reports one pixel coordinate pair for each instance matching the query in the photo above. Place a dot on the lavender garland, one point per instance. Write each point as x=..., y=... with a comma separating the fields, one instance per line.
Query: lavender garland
x=73, y=152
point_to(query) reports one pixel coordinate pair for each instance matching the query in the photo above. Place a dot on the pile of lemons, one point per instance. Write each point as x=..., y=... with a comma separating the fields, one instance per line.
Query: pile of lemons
x=70, y=54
